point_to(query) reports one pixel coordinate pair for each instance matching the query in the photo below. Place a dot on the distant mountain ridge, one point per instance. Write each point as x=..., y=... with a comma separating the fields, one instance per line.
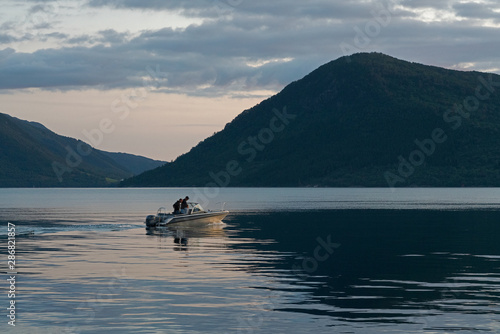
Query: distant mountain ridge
x=32, y=155
x=135, y=164
x=371, y=121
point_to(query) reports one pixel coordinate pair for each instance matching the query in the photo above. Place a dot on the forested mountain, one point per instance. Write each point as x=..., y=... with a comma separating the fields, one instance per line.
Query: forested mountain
x=364, y=120
x=32, y=155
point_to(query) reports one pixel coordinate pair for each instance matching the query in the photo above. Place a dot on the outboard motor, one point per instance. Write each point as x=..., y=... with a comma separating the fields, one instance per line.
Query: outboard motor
x=151, y=220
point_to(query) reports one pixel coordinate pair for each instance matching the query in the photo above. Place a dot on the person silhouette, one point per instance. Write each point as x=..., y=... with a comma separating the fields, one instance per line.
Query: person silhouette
x=185, y=205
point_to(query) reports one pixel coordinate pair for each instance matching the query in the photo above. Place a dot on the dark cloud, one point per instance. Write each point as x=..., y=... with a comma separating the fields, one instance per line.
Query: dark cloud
x=441, y=4
x=135, y=64
x=49, y=6
x=6, y=38
x=315, y=9
x=104, y=37
x=251, y=46
x=57, y=35
x=478, y=11
x=81, y=40
x=6, y=52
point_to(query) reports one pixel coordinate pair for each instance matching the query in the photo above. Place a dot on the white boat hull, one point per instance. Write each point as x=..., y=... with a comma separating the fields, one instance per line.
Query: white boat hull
x=194, y=218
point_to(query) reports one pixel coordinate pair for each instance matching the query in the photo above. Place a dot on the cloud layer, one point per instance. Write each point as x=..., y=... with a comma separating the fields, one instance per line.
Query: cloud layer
x=237, y=46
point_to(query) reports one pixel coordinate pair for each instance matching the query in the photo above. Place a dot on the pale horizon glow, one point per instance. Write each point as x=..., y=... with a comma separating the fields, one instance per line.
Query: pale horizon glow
x=168, y=125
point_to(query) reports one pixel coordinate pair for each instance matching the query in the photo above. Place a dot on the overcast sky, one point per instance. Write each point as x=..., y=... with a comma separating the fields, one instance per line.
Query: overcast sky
x=169, y=73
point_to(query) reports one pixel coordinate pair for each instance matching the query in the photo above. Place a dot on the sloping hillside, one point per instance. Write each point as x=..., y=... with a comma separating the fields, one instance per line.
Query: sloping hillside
x=32, y=155
x=371, y=121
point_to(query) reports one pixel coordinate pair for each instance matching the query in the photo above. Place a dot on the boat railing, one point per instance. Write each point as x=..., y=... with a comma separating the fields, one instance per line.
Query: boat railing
x=161, y=212
x=222, y=205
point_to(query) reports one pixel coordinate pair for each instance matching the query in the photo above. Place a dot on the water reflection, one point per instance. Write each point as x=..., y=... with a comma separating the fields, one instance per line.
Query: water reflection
x=185, y=234
x=373, y=267
x=357, y=271
x=434, y=270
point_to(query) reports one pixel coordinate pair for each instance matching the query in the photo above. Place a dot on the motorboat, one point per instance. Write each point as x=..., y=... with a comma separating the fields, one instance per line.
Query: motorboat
x=195, y=214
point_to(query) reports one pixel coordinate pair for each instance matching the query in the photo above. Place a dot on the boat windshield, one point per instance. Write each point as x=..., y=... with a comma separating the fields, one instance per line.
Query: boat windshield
x=195, y=206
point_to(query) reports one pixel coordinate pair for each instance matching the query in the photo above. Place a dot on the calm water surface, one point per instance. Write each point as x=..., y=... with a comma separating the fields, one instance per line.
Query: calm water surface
x=284, y=261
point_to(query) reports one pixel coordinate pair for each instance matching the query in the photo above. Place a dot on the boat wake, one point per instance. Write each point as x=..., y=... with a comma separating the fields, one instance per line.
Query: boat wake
x=30, y=230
